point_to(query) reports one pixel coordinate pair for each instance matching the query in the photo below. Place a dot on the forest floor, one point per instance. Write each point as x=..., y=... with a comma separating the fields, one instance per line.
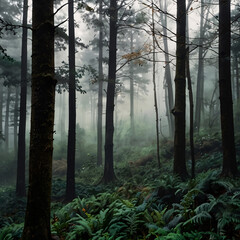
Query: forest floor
x=145, y=202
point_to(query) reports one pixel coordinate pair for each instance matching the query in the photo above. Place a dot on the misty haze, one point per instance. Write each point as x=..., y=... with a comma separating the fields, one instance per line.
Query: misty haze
x=119, y=120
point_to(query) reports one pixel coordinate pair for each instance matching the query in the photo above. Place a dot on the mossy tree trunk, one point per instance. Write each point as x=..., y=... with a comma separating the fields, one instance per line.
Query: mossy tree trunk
x=37, y=218
x=226, y=106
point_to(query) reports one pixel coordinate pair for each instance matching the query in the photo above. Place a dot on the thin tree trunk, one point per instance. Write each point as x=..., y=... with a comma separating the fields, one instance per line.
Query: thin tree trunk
x=37, y=218
x=131, y=92
x=100, y=89
x=20, y=184
x=6, y=132
x=63, y=115
x=154, y=87
x=1, y=108
x=191, y=132
x=15, y=124
x=109, y=175
x=237, y=77
x=167, y=72
x=179, y=111
x=199, y=92
x=70, y=187
x=228, y=143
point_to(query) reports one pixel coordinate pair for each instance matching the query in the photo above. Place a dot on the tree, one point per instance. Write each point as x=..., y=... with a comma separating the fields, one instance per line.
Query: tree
x=70, y=188
x=37, y=218
x=20, y=185
x=227, y=126
x=179, y=110
x=200, y=76
x=169, y=90
x=6, y=127
x=1, y=108
x=109, y=174
x=15, y=119
x=100, y=88
x=154, y=86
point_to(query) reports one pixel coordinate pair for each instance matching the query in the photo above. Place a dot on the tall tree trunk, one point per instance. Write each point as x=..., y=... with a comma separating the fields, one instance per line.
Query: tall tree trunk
x=63, y=115
x=109, y=175
x=15, y=124
x=179, y=166
x=1, y=108
x=131, y=93
x=237, y=78
x=70, y=188
x=200, y=76
x=191, y=132
x=228, y=144
x=20, y=184
x=155, y=88
x=167, y=72
x=37, y=218
x=100, y=89
x=6, y=132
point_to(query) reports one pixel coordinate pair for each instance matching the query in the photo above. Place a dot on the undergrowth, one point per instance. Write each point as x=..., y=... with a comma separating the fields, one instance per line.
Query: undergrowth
x=146, y=203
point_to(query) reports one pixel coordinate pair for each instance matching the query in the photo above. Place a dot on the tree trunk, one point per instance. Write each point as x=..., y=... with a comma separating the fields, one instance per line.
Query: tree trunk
x=179, y=110
x=237, y=77
x=155, y=88
x=37, y=218
x=20, y=184
x=100, y=89
x=200, y=76
x=191, y=132
x=167, y=72
x=109, y=175
x=6, y=132
x=63, y=115
x=228, y=144
x=15, y=122
x=131, y=93
x=70, y=187
x=1, y=108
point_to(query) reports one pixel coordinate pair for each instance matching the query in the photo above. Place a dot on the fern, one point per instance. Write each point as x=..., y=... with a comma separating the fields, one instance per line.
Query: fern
x=11, y=232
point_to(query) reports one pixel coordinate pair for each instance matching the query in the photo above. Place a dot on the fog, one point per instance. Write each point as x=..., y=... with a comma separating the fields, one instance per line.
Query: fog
x=86, y=104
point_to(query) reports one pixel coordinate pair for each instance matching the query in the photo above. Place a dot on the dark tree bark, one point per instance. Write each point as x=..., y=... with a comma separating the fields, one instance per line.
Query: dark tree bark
x=237, y=77
x=70, y=188
x=6, y=130
x=20, y=185
x=191, y=132
x=37, y=218
x=179, y=110
x=100, y=89
x=109, y=175
x=228, y=144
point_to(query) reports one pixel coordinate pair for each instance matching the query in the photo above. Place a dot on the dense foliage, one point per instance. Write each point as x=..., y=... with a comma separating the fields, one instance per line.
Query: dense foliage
x=143, y=204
